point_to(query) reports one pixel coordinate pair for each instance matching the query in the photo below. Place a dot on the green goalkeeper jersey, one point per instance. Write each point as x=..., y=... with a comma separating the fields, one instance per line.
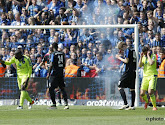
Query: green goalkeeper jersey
x=24, y=66
x=149, y=70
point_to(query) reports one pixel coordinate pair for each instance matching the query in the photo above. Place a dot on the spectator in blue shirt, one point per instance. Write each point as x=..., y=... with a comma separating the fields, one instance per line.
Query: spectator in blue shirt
x=4, y=54
x=66, y=36
x=79, y=5
x=152, y=28
x=74, y=17
x=99, y=64
x=158, y=49
x=120, y=20
x=42, y=3
x=4, y=19
x=5, y=39
x=150, y=17
x=20, y=40
x=135, y=18
x=51, y=38
x=13, y=42
x=138, y=4
x=158, y=41
x=10, y=17
x=62, y=16
x=79, y=45
x=37, y=68
x=42, y=18
x=38, y=35
x=159, y=13
x=145, y=6
x=34, y=8
x=85, y=36
x=84, y=53
x=163, y=34
x=159, y=5
x=112, y=37
x=24, y=16
x=121, y=11
x=88, y=62
x=141, y=45
x=143, y=19
x=150, y=37
x=29, y=43
x=161, y=24
x=121, y=36
x=17, y=21
x=73, y=35
x=151, y=5
x=127, y=31
x=31, y=21
x=15, y=7
x=66, y=51
x=126, y=15
x=39, y=50
x=55, y=5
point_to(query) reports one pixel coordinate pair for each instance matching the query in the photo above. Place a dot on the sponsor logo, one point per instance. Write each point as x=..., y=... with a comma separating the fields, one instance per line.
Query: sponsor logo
x=49, y=102
x=105, y=103
x=43, y=102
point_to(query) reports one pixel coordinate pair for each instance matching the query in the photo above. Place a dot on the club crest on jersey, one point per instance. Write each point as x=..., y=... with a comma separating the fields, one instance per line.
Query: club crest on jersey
x=153, y=58
x=23, y=61
x=19, y=64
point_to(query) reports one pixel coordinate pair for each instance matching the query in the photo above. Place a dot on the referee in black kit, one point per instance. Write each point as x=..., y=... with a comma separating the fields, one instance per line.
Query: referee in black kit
x=127, y=79
x=56, y=75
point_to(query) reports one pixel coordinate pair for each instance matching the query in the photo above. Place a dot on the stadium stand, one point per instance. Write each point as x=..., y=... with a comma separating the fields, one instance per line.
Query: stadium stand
x=149, y=15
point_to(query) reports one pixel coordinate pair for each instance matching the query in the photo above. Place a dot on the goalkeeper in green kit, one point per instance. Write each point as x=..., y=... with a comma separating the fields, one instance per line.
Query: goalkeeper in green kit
x=24, y=71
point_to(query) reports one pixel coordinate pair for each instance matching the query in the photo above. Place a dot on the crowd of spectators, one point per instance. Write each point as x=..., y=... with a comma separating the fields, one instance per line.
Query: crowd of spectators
x=87, y=47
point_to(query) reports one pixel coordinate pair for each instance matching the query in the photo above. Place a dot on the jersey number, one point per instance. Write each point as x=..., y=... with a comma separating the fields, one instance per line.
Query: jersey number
x=60, y=60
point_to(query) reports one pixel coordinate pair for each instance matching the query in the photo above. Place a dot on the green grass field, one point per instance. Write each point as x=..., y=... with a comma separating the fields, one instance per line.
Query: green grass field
x=79, y=115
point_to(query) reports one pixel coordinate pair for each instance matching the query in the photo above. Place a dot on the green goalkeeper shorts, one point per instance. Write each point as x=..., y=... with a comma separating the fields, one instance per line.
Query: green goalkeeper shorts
x=149, y=82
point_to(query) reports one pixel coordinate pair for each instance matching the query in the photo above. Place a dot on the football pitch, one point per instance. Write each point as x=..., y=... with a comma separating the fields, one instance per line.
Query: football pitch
x=80, y=115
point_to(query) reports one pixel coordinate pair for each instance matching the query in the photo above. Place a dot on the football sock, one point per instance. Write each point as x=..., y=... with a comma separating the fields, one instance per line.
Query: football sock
x=132, y=98
x=59, y=96
x=28, y=97
x=52, y=95
x=64, y=96
x=123, y=95
x=145, y=98
x=153, y=100
x=22, y=97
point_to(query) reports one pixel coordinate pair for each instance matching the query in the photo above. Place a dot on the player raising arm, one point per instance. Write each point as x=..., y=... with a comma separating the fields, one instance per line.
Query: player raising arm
x=24, y=71
x=127, y=79
x=148, y=61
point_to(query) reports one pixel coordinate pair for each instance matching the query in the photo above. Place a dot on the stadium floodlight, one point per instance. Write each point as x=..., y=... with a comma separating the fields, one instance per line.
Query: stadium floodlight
x=136, y=40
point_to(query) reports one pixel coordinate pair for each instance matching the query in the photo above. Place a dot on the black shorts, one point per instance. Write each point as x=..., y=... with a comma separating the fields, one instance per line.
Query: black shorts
x=56, y=82
x=127, y=80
